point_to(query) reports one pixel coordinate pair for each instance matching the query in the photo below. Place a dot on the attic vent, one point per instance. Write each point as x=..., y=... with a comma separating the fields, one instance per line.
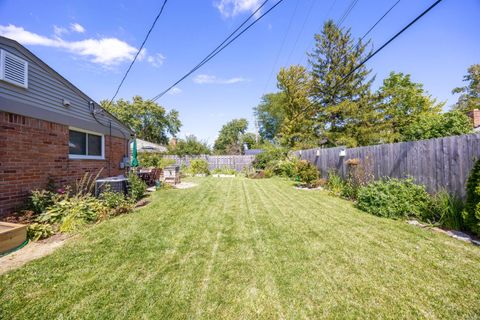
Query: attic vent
x=13, y=69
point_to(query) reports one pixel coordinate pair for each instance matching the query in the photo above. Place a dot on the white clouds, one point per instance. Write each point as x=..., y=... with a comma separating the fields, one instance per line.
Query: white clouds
x=210, y=79
x=156, y=60
x=104, y=51
x=230, y=8
x=76, y=27
x=175, y=91
x=59, y=31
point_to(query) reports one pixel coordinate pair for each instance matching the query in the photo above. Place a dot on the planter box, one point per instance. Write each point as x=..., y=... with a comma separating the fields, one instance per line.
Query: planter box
x=11, y=235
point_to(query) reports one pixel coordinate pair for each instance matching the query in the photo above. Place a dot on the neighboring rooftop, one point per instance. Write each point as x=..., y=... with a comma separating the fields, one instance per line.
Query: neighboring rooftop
x=147, y=146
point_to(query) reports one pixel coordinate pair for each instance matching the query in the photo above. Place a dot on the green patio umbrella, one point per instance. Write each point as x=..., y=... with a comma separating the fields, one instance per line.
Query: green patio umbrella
x=134, y=162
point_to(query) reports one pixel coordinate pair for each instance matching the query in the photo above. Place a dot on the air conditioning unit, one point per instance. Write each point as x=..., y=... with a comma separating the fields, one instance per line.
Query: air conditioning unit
x=117, y=184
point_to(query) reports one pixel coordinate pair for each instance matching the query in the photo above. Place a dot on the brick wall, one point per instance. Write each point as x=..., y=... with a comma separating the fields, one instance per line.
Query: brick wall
x=32, y=151
x=475, y=116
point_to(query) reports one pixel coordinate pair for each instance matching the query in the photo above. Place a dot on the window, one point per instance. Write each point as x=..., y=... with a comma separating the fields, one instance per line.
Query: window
x=13, y=69
x=85, y=145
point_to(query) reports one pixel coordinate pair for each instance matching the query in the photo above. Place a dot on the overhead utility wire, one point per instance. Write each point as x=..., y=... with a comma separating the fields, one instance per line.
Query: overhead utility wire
x=390, y=40
x=287, y=32
x=347, y=12
x=326, y=16
x=232, y=33
x=213, y=54
x=378, y=21
x=140, y=49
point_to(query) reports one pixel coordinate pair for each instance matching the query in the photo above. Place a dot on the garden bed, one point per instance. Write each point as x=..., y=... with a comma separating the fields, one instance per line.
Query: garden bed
x=12, y=235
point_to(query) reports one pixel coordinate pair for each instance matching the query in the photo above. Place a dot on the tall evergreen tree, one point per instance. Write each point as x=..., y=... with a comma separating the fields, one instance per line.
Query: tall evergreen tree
x=339, y=100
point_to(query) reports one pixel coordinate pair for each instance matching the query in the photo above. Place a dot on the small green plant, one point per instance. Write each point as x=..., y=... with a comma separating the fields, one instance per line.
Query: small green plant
x=335, y=184
x=137, y=187
x=40, y=200
x=394, y=198
x=37, y=231
x=446, y=211
x=116, y=202
x=199, y=166
x=306, y=172
x=71, y=213
x=471, y=214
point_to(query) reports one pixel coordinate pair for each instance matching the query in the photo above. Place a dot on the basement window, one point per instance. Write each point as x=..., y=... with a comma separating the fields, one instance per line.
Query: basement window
x=84, y=144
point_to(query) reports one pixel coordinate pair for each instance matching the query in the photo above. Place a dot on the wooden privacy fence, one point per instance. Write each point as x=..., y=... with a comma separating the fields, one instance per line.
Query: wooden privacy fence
x=218, y=162
x=442, y=163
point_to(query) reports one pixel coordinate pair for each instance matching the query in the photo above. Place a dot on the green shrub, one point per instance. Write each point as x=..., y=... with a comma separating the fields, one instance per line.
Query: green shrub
x=37, y=231
x=154, y=160
x=335, y=184
x=40, y=200
x=306, y=172
x=394, y=198
x=71, y=213
x=268, y=156
x=284, y=168
x=199, y=166
x=137, y=187
x=446, y=211
x=471, y=214
x=116, y=202
x=268, y=173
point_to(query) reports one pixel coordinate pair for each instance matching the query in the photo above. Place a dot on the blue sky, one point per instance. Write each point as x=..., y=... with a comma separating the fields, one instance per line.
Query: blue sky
x=92, y=42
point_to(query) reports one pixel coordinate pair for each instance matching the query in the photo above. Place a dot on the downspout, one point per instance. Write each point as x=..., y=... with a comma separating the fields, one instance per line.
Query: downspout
x=110, y=149
x=92, y=108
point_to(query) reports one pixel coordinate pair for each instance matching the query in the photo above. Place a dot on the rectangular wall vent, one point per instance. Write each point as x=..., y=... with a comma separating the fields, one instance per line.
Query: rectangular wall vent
x=13, y=69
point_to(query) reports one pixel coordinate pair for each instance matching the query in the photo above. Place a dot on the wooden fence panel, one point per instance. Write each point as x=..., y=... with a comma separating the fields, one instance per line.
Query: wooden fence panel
x=442, y=163
x=237, y=162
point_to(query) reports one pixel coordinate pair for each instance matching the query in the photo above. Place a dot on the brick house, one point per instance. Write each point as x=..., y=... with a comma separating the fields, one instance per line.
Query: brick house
x=49, y=129
x=475, y=116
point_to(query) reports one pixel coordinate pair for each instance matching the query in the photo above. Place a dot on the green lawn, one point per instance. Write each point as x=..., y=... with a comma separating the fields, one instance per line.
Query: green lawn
x=238, y=248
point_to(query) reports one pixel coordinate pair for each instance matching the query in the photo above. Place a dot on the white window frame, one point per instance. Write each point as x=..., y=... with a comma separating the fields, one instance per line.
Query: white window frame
x=3, y=54
x=87, y=157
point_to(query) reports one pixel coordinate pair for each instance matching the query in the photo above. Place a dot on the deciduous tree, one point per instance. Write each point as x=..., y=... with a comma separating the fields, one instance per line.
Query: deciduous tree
x=403, y=103
x=149, y=120
x=191, y=145
x=470, y=94
x=230, y=137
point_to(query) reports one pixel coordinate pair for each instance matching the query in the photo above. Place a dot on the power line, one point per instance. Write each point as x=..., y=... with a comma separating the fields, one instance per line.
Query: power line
x=307, y=17
x=140, y=49
x=213, y=54
x=319, y=29
x=347, y=12
x=233, y=32
x=390, y=40
x=379, y=20
x=282, y=45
